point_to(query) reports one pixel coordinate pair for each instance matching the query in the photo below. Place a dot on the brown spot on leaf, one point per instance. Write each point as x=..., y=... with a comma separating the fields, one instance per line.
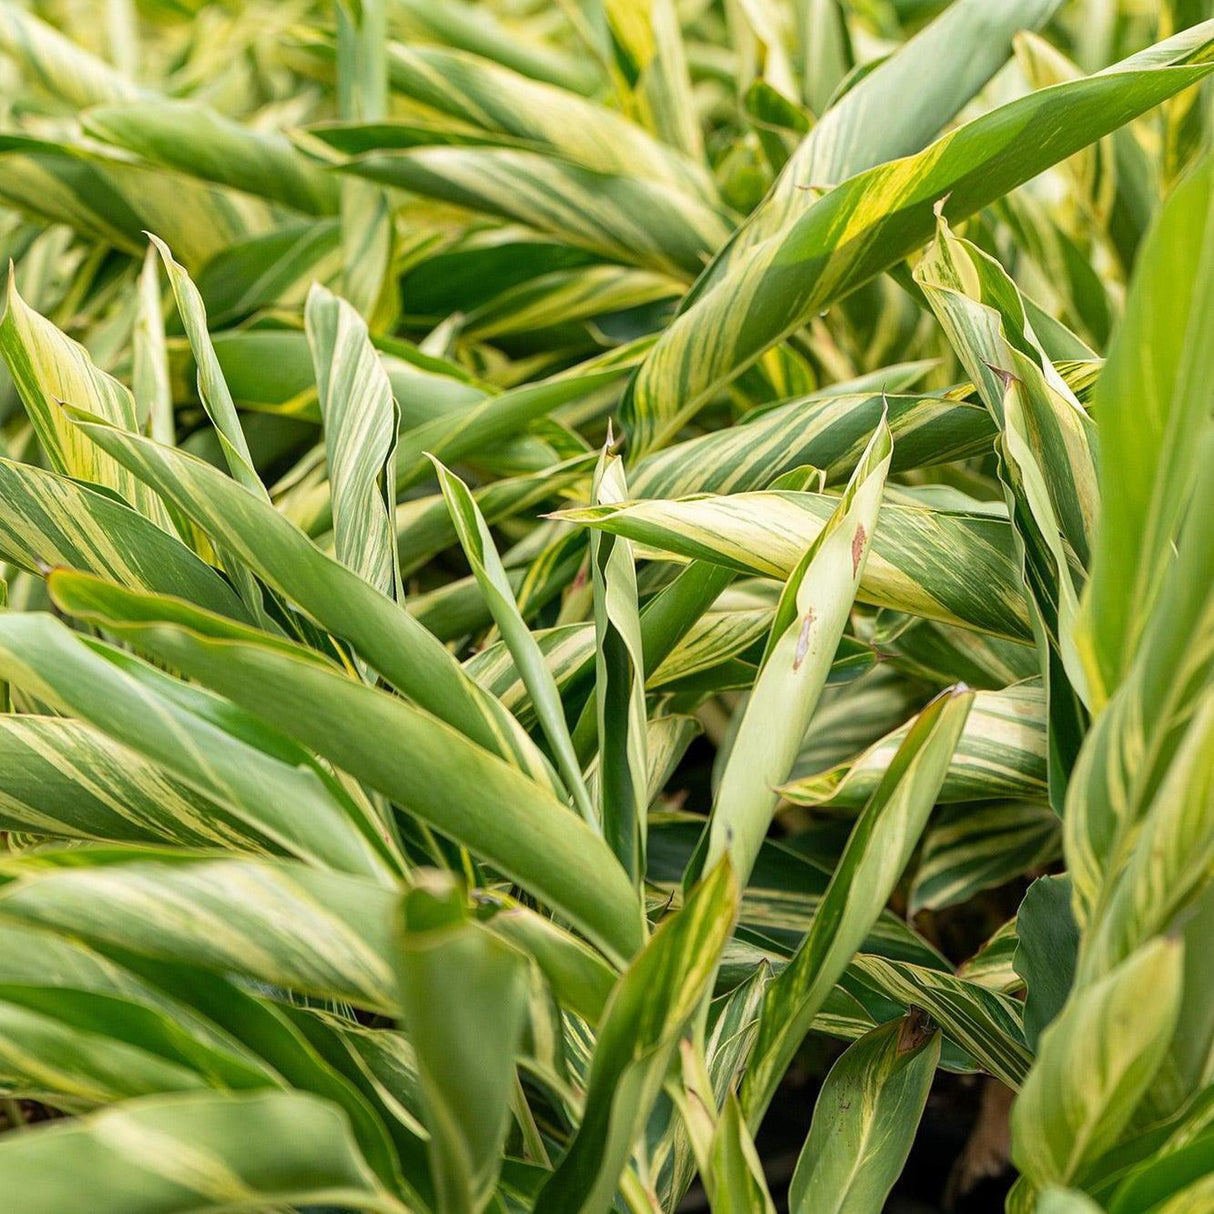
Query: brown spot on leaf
x=857, y=548
x=916, y=1029
x=803, y=640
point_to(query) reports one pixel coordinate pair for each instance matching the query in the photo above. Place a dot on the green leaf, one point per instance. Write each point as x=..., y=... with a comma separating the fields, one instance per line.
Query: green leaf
x=387, y=638
x=42, y=1058
x=108, y=195
x=47, y=521
x=865, y=1119
x=984, y=1023
x=194, y=139
x=1047, y=448
x=479, y=548
x=150, y=358
x=725, y=1152
x=649, y=54
x=212, y=387
x=1094, y=1064
x=424, y=526
x=504, y=106
x=616, y=216
x=57, y=64
x=1167, y=668
x=63, y=778
x=367, y=231
x=464, y=995
x=461, y=433
x=1170, y=866
x=827, y=430
x=648, y=1010
x=317, y=932
x=482, y=32
x=1046, y=953
x=1065, y=1201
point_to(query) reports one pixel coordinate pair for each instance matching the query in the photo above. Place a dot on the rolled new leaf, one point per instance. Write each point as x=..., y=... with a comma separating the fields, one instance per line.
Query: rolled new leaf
x=619, y=685
x=809, y=621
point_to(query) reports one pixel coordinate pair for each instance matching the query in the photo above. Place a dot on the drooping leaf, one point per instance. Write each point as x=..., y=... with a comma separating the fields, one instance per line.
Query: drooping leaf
x=393, y=643
x=767, y=534
x=428, y=768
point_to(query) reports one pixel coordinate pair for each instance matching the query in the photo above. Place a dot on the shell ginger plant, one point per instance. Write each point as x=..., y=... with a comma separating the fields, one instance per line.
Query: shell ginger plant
x=564, y=563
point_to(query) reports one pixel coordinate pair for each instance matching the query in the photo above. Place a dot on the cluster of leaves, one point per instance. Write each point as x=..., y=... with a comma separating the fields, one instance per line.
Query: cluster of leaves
x=535, y=388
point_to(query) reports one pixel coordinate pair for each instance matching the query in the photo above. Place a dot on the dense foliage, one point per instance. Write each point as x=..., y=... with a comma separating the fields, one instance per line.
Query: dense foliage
x=561, y=559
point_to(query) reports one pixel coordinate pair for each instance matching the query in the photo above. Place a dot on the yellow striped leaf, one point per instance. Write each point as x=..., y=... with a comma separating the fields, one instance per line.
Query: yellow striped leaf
x=50, y=371
x=360, y=424
x=1094, y=1065
x=767, y=533
x=197, y=1153
x=1001, y=753
x=875, y=219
